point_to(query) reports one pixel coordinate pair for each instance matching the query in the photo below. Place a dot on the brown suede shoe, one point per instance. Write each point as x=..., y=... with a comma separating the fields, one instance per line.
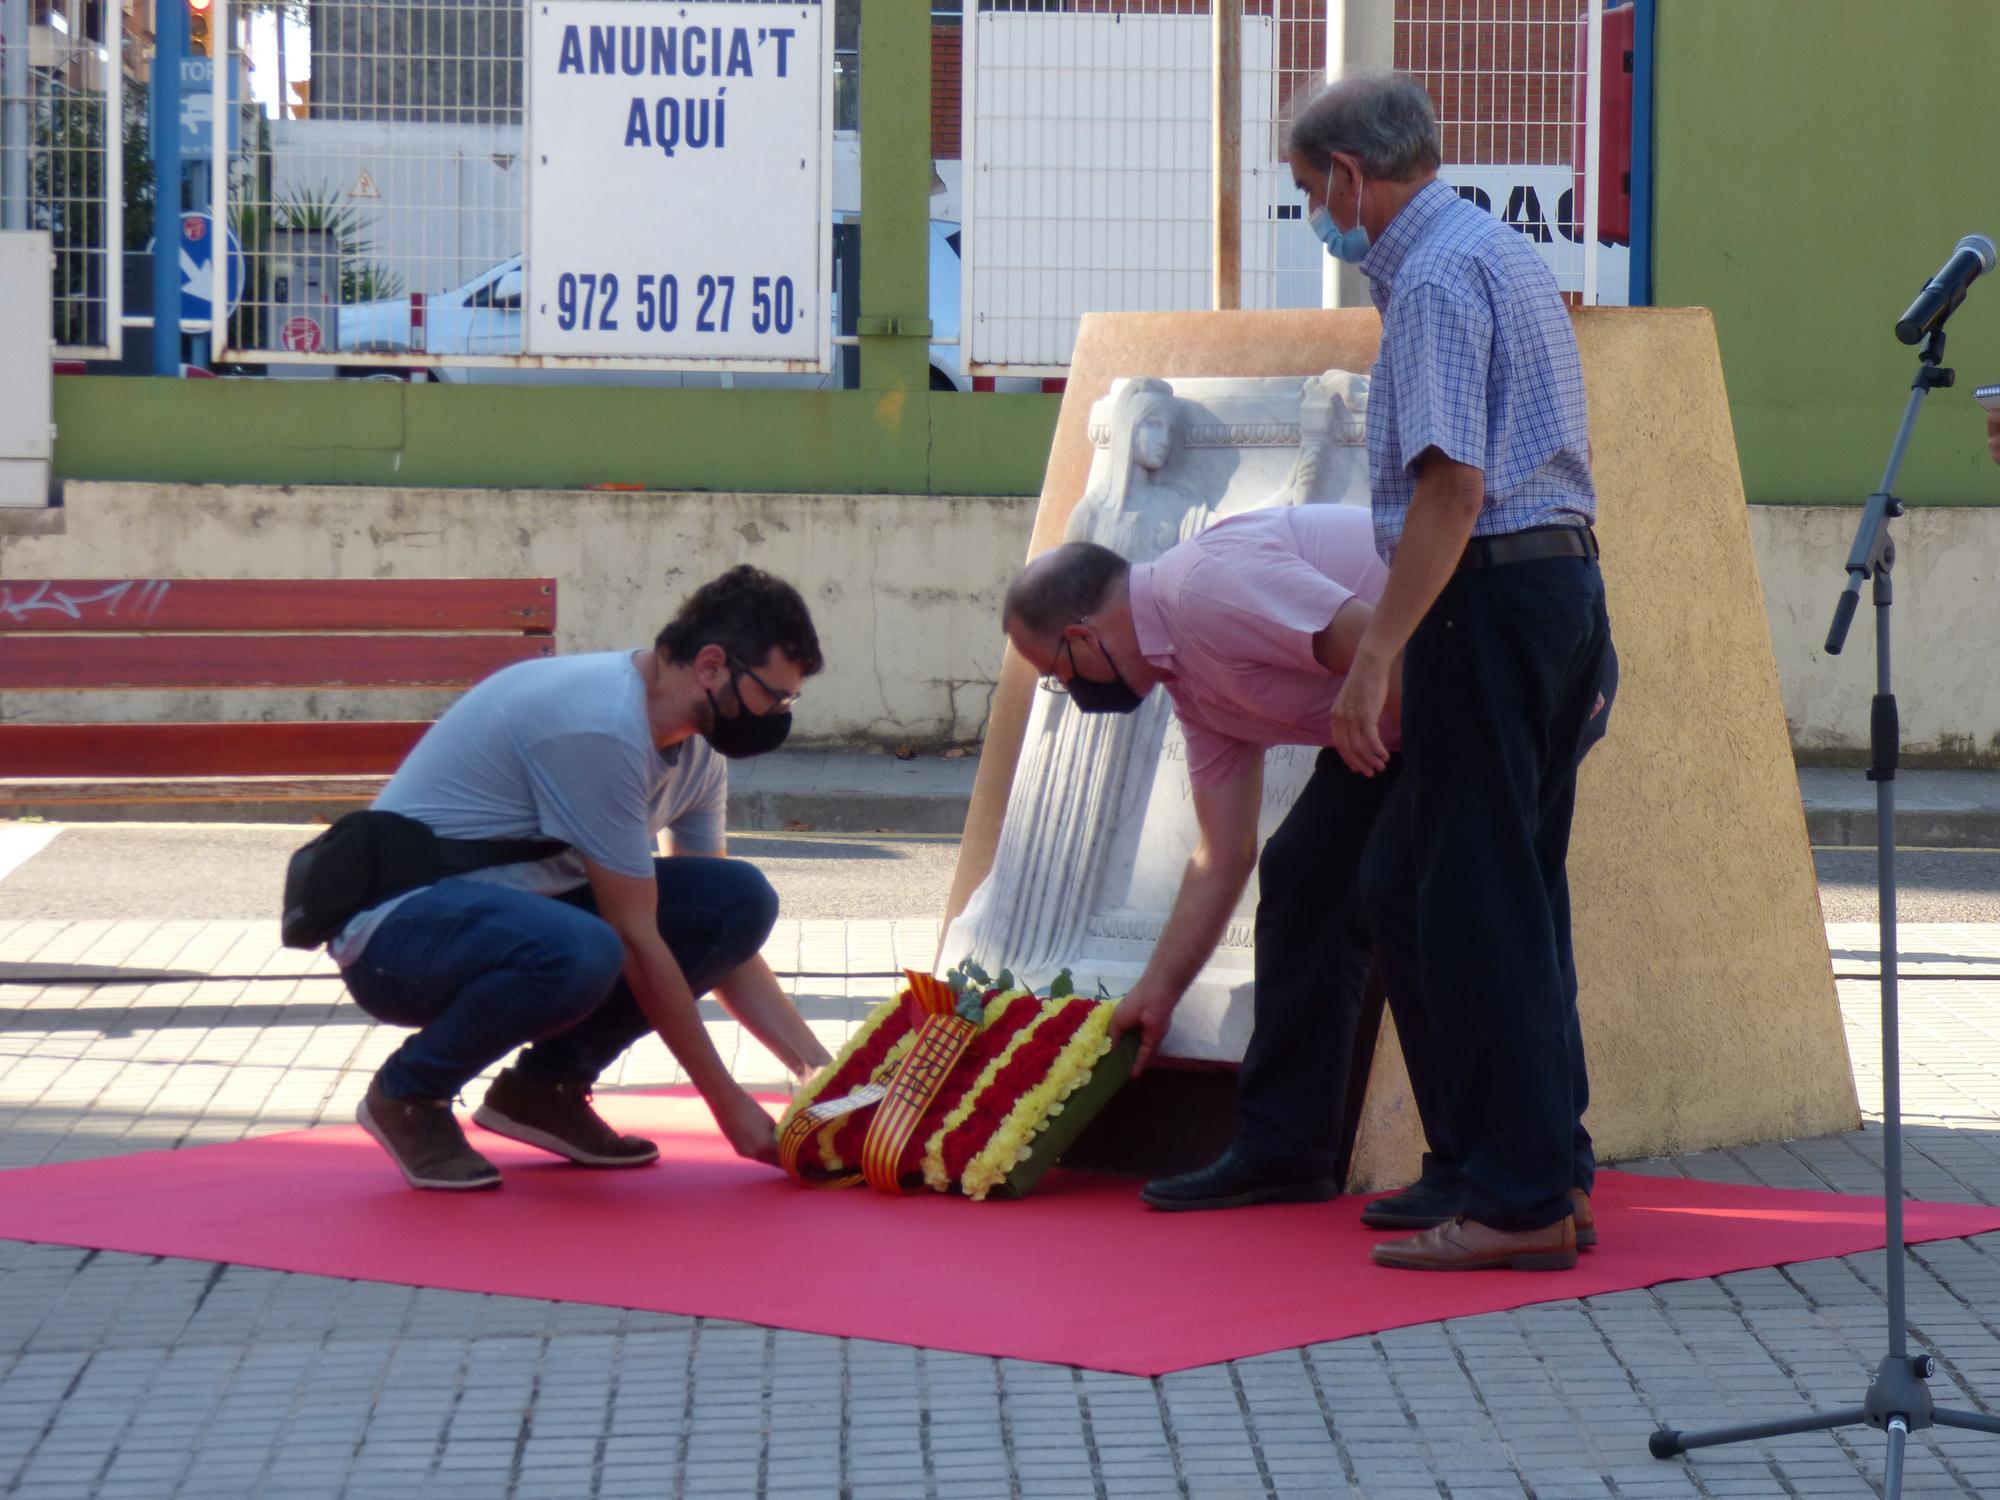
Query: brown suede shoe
x=1463, y=1245
x=424, y=1139
x=1585, y=1221
x=557, y=1117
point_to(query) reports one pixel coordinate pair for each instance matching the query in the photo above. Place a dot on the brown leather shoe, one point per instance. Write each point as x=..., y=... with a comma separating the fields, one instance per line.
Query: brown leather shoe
x=1463, y=1245
x=424, y=1139
x=557, y=1117
x=1585, y=1221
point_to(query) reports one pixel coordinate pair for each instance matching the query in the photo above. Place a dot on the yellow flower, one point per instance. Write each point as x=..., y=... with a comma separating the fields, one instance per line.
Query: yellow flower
x=934, y=1172
x=888, y=1066
x=1014, y=1142
x=809, y=1095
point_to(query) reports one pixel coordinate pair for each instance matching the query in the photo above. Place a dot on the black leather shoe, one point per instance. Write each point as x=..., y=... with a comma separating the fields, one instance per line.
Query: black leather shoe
x=1424, y=1204
x=1231, y=1182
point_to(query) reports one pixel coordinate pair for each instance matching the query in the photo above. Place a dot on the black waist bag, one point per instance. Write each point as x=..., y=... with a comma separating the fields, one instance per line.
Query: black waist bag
x=367, y=857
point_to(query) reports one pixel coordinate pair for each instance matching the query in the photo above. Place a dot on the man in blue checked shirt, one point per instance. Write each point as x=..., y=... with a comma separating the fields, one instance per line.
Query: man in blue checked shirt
x=1479, y=466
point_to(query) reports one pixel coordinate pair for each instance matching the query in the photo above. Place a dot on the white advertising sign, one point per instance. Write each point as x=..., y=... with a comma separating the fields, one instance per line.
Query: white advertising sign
x=678, y=170
x=1540, y=202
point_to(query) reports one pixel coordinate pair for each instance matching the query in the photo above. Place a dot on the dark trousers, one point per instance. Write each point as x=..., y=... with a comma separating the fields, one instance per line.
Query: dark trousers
x=1389, y=892
x=1498, y=682
x=481, y=969
x=1311, y=967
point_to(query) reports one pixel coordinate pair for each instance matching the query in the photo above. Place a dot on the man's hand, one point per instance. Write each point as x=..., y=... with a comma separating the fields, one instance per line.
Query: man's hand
x=1357, y=713
x=752, y=1134
x=1211, y=885
x=1993, y=435
x=1149, y=1010
x=1443, y=511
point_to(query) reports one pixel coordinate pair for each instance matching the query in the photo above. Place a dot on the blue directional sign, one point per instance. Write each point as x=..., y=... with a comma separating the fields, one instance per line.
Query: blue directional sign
x=198, y=266
x=198, y=111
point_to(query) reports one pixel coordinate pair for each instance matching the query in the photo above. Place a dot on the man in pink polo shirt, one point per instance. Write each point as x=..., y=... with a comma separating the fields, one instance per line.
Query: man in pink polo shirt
x=1250, y=625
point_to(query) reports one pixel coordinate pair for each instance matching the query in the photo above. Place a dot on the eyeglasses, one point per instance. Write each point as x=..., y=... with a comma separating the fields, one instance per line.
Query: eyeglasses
x=1054, y=684
x=781, y=703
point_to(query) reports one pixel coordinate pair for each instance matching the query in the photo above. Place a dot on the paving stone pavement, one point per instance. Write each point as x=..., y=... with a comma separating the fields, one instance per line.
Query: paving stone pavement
x=133, y=1377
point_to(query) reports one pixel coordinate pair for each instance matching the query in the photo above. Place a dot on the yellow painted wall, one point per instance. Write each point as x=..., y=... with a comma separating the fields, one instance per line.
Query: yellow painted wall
x=1706, y=987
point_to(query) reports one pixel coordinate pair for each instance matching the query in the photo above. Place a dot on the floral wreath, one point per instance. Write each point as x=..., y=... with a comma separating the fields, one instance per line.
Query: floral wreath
x=967, y=1082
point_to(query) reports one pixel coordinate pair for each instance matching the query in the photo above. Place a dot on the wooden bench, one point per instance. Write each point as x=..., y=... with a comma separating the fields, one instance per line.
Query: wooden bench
x=204, y=635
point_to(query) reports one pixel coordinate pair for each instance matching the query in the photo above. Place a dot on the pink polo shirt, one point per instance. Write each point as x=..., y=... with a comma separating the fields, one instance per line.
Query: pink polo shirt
x=1229, y=616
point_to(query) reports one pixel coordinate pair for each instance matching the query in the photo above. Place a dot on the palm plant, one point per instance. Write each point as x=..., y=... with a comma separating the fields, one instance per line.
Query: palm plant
x=361, y=279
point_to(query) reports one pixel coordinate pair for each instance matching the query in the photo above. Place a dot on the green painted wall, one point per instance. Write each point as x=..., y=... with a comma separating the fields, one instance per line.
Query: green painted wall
x=1816, y=163
x=895, y=197
x=551, y=437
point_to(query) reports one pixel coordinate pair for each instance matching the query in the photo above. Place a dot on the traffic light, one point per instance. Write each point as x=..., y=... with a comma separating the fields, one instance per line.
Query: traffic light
x=198, y=44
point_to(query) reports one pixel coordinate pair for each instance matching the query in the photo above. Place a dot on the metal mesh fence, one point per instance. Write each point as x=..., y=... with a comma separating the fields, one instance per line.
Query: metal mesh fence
x=382, y=204
x=1090, y=154
x=1089, y=149
x=1293, y=263
x=373, y=172
x=379, y=196
x=62, y=113
x=1511, y=82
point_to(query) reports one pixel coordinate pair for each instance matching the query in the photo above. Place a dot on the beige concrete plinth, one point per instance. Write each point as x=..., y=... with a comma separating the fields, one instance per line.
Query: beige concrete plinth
x=1706, y=988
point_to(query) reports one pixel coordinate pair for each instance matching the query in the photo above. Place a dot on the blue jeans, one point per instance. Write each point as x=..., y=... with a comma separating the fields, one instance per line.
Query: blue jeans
x=1498, y=683
x=481, y=969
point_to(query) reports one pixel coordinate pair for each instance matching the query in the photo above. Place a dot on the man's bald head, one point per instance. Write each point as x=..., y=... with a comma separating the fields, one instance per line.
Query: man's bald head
x=1062, y=586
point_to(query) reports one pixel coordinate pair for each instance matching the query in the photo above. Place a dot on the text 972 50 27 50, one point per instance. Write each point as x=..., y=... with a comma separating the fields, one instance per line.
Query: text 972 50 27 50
x=598, y=300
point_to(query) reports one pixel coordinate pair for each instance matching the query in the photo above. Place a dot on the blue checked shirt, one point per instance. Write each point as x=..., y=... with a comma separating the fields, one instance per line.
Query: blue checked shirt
x=1478, y=360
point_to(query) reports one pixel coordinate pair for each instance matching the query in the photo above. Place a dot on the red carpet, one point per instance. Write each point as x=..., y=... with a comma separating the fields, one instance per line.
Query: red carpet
x=1078, y=1274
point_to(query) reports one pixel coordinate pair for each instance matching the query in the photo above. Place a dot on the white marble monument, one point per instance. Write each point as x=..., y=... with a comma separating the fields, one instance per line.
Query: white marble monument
x=1100, y=819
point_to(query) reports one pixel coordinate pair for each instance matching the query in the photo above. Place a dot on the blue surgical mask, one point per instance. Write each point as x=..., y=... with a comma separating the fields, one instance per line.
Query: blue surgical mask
x=1350, y=245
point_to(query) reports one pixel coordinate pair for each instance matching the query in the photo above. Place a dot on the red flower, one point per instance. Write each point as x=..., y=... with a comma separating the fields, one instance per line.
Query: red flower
x=989, y=1044
x=860, y=1068
x=1029, y=1065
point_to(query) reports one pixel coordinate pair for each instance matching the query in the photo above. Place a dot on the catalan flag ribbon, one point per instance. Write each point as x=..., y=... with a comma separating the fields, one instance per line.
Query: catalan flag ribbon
x=942, y=1088
x=808, y=1123
x=941, y=1042
x=933, y=996
x=907, y=1077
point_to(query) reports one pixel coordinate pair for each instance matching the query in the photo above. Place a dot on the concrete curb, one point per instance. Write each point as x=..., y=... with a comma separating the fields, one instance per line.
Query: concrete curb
x=1934, y=809
x=847, y=811
x=1963, y=828
x=824, y=810
x=810, y=791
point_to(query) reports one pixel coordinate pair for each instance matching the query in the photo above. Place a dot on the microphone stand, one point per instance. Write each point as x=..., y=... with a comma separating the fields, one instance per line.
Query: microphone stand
x=1898, y=1402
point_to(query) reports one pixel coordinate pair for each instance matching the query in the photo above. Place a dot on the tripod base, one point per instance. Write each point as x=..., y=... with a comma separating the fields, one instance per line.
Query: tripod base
x=1899, y=1403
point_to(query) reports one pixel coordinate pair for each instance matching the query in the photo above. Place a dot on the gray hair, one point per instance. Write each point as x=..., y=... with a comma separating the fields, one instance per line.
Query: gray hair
x=1062, y=586
x=1384, y=119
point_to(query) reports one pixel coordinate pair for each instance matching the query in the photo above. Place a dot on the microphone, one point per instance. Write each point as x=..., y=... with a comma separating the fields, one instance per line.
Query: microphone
x=1942, y=294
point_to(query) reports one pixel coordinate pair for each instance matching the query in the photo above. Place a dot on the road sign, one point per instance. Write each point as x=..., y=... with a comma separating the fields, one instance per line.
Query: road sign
x=198, y=266
x=198, y=111
x=301, y=335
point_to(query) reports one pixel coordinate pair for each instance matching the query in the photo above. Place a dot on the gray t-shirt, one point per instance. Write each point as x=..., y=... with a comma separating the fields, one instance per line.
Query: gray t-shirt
x=558, y=748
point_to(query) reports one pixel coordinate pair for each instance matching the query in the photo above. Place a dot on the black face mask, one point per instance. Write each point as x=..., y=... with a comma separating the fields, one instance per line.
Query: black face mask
x=1113, y=697
x=747, y=734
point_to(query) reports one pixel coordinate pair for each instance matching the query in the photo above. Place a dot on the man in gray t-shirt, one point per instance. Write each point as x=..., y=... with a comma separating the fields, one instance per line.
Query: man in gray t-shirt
x=575, y=957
